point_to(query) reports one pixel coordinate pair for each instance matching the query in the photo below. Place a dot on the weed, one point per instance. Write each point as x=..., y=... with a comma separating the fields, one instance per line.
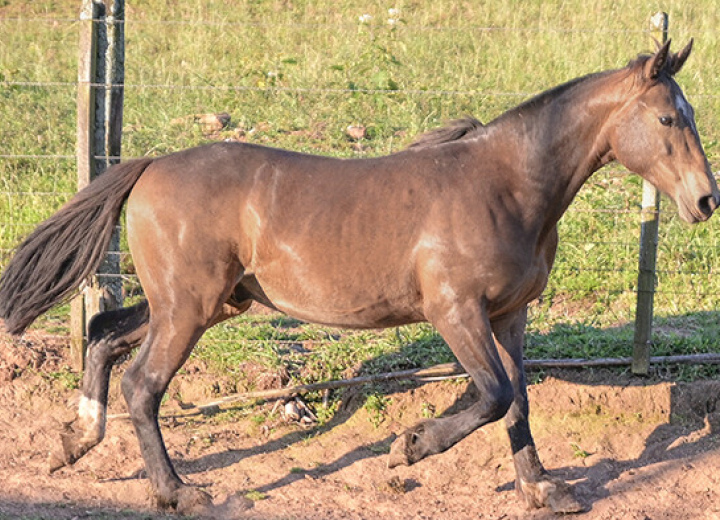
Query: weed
x=255, y=495
x=67, y=379
x=375, y=405
x=428, y=410
x=578, y=452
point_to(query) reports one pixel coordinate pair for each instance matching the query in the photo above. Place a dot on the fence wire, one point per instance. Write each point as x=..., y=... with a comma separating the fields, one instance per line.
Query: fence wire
x=12, y=230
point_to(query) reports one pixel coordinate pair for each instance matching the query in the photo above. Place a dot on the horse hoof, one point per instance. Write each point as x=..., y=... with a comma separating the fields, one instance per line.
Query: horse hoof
x=553, y=493
x=398, y=453
x=55, y=461
x=194, y=502
x=73, y=448
x=563, y=501
x=233, y=506
x=410, y=447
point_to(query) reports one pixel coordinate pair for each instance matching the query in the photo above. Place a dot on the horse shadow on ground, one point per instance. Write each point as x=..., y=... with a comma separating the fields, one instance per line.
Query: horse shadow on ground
x=694, y=418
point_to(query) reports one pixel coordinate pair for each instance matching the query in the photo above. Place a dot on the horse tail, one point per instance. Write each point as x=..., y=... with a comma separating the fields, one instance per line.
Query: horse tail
x=65, y=249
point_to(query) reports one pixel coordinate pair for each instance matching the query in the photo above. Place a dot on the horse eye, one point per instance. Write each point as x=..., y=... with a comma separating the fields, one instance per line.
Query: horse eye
x=666, y=120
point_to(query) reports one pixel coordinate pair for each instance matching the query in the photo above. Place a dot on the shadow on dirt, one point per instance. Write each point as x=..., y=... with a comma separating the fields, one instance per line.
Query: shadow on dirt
x=13, y=510
x=694, y=414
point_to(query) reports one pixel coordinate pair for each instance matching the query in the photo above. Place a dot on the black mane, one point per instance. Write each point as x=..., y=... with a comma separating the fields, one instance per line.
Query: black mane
x=454, y=131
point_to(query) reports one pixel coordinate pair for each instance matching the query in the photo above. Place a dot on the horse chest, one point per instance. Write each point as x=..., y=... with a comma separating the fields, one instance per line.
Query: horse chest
x=519, y=280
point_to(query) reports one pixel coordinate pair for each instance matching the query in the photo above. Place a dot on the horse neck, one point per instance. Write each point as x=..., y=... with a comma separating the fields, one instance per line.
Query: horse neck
x=559, y=139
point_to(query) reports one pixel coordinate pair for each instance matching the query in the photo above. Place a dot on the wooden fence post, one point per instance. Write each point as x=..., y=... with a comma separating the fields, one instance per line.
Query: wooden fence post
x=650, y=215
x=99, y=128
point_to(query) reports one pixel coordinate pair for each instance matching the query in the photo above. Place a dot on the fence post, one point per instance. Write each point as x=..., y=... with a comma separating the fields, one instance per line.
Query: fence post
x=650, y=215
x=99, y=127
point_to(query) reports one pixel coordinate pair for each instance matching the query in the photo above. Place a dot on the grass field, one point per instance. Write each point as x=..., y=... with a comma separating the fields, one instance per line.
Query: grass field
x=296, y=74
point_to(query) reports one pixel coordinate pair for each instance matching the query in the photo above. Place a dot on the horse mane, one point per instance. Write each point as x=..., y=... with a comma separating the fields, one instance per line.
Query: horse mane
x=468, y=127
x=454, y=131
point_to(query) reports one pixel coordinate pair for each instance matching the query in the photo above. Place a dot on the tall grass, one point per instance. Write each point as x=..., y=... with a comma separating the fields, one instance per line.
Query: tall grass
x=295, y=75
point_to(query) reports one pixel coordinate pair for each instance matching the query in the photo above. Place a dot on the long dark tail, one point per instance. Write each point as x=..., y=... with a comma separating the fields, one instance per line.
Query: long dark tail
x=65, y=249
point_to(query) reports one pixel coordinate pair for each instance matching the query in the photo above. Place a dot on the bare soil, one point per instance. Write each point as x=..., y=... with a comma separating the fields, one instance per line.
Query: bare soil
x=635, y=449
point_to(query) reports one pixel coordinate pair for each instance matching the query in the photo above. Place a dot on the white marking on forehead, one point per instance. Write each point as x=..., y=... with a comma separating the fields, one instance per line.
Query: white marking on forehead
x=682, y=105
x=430, y=243
x=684, y=108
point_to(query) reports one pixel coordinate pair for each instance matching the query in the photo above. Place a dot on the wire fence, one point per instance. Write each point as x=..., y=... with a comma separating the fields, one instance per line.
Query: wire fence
x=601, y=234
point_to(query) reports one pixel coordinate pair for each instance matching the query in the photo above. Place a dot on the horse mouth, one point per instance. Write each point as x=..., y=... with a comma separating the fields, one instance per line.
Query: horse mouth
x=699, y=211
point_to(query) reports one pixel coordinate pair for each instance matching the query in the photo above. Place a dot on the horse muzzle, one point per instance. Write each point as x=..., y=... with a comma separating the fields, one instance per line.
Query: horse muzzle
x=708, y=204
x=701, y=209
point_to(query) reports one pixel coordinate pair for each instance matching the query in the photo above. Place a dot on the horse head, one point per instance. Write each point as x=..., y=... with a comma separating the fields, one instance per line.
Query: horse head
x=654, y=135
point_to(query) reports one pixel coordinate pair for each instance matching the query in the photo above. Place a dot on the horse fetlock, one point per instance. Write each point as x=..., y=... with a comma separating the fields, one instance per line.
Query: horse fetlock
x=549, y=492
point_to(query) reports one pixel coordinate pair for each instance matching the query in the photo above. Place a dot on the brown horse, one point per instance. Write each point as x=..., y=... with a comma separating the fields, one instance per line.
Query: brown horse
x=458, y=230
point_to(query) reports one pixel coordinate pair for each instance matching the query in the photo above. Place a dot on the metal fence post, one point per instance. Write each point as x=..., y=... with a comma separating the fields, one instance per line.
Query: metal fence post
x=99, y=127
x=650, y=215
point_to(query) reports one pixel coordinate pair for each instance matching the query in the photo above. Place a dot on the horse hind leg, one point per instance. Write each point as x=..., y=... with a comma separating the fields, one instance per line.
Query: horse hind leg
x=111, y=335
x=172, y=334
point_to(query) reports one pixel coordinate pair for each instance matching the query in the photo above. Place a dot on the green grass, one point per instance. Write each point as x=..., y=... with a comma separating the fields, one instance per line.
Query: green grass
x=296, y=77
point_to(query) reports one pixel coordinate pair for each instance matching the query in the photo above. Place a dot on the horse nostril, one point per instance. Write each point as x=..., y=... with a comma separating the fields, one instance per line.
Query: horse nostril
x=708, y=204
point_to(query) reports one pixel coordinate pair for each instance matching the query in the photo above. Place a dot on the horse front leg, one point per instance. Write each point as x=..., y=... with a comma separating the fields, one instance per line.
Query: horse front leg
x=533, y=484
x=111, y=335
x=465, y=327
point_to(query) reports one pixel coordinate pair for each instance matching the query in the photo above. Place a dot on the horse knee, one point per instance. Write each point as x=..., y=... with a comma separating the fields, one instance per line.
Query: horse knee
x=500, y=399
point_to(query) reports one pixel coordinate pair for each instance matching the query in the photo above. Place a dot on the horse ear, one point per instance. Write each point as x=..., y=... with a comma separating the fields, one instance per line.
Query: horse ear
x=677, y=60
x=657, y=62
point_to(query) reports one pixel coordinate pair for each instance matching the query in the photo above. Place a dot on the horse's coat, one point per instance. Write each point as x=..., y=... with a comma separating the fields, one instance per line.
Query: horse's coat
x=458, y=230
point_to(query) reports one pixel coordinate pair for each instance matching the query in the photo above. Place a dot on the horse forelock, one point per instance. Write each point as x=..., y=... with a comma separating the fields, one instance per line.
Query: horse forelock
x=456, y=130
x=636, y=67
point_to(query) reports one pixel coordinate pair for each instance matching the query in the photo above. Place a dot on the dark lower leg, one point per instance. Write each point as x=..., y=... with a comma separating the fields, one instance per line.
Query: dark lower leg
x=112, y=335
x=143, y=386
x=532, y=482
x=437, y=435
x=467, y=331
x=144, y=405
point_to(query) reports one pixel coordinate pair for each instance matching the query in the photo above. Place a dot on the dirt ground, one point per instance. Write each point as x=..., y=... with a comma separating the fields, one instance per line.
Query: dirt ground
x=633, y=449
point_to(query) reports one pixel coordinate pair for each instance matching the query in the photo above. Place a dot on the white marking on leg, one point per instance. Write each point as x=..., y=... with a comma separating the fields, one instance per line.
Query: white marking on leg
x=91, y=415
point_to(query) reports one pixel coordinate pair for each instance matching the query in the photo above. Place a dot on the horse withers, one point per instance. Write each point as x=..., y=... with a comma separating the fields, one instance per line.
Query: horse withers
x=458, y=230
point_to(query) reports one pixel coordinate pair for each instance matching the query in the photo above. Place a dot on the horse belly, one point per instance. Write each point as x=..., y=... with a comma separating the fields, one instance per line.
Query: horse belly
x=344, y=303
x=369, y=316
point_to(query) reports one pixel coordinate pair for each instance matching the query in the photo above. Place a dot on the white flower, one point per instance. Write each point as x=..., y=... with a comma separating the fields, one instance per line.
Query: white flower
x=394, y=12
x=365, y=18
x=392, y=21
x=272, y=74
